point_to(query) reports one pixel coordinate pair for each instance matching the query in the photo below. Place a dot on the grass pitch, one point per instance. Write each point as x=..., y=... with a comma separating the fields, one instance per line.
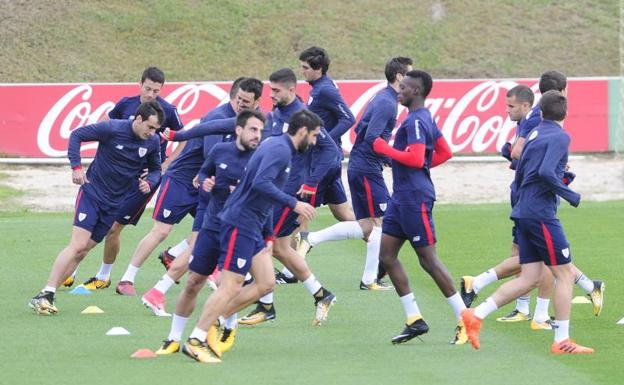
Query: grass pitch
x=353, y=347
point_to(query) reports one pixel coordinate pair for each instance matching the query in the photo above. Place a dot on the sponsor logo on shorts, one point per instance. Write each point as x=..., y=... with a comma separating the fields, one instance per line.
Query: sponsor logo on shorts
x=81, y=217
x=240, y=262
x=119, y=147
x=533, y=134
x=127, y=217
x=142, y=151
x=566, y=252
x=416, y=238
x=166, y=213
x=223, y=166
x=310, y=100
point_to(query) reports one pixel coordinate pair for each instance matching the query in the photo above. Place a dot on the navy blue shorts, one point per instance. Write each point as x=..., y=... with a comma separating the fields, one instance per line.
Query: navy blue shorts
x=369, y=194
x=206, y=252
x=91, y=216
x=174, y=201
x=199, y=214
x=330, y=190
x=514, y=234
x=134, y=204
x=238, y=248
x=284, y=221
x=412, y=222
x=542, y=241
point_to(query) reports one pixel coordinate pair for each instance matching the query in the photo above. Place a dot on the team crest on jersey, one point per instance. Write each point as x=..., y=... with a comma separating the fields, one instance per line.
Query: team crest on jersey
x=533, y=134
x=287, y=170
x=119, y=147
x=81, y=217
x=142, y=151
x=285, y=127
x=223, y=166
x=416, y=238
x=166, y=213
x=566, y=252
x=383, y=206
x=310, y=100
x=240, y=262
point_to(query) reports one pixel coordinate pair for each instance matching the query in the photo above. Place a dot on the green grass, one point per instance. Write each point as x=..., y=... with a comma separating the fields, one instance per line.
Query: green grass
x=103, y=41
x=351, y=348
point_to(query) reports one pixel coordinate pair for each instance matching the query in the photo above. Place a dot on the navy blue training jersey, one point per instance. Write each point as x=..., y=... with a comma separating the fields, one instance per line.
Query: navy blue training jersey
x=414, y=185
x=251, y=203
x=126, y=109
x=378, y=121
x=325, y=101
x=540, y=172
x=120, y=157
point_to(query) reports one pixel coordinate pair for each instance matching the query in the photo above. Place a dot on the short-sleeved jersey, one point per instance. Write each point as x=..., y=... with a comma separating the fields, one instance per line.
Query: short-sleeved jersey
x=120, y=157
x=378, y=121
x=414, y=184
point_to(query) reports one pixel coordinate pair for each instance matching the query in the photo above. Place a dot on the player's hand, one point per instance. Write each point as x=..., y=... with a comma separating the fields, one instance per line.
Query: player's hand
x=196, y=181
x=506, y=151
x=306, y=191
x=208, y=184
x=568, y=177
x=306, y=210
x=167, y=134
x=144, y=186
x=79, y=177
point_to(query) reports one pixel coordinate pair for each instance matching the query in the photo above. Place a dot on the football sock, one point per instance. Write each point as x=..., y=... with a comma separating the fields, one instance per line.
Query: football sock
x=485, y=308
x=178, y=323
x=312, y=285
x=231, y=322
x=562, y=330
x=178, y=249
x=130, y=273
x=164, y=284
x=104, y=273
x=585, y=283
x=523, y=303
x=457, y=304
x=287, y=273
x=541, y=309
x=199, y=334
x=49, y=289
x=484, y=279
x=372, y=256
x=337, y=232
x=412, y=312
x=76, y=272
x=267, y=299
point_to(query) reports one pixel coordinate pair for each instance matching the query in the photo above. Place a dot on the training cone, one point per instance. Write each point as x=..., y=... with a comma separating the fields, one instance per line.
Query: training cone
x=621, y=322
x=117, y=331
x=92, y=310
x=580, y=300
x=80, y=290
x=143, y=353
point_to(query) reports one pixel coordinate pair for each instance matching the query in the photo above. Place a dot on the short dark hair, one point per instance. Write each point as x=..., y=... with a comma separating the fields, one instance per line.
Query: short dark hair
x=154, y=74
x=397, y=65
x=424, y=77
x=150, y=108
x=552, y=80
x=303, y=118
x=284, y=75
x=247, y=114
x=522, y=94
x=235, y=87
x=252, y=85
x=554, y=106
x=317, y=58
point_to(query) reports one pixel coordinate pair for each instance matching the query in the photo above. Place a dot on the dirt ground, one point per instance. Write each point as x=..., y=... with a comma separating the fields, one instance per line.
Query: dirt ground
x=599, y=178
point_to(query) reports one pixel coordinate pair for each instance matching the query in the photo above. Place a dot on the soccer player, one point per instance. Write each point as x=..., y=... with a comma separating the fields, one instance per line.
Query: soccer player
x=133, y=205
x=369, y=194
x=219, y=175
x=177, y=197
x=242, y=221
x=306, y=172
x=519, y=101
x=248, y=94
x=541, y=238
x=125, y=147
x=418, y=146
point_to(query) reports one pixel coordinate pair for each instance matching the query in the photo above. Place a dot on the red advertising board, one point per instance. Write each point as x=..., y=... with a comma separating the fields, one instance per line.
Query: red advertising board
x=36, y=119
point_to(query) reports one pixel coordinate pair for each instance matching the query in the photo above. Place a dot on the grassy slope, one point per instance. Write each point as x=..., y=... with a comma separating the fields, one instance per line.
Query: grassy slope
x=352, y=348
x=61, y=40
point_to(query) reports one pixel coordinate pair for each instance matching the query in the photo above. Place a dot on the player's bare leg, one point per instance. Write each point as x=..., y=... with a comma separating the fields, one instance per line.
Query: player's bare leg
x=112, y=243
x=263, y=283
x=342, y=211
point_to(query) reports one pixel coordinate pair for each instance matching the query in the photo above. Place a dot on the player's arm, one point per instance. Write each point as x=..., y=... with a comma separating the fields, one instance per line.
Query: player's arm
x=213, y=127
x=380, y=117
x=441, y=151
x=264, y=184
x=207, y=171
x=413, y=155
x=555, y=151
x=334, y=102
x=99, y=132
x=267, y=229
x=117, y=111
x=324, y=157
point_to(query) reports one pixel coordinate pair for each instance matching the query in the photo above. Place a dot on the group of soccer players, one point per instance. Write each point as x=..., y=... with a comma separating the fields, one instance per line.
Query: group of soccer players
x=252, y=183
